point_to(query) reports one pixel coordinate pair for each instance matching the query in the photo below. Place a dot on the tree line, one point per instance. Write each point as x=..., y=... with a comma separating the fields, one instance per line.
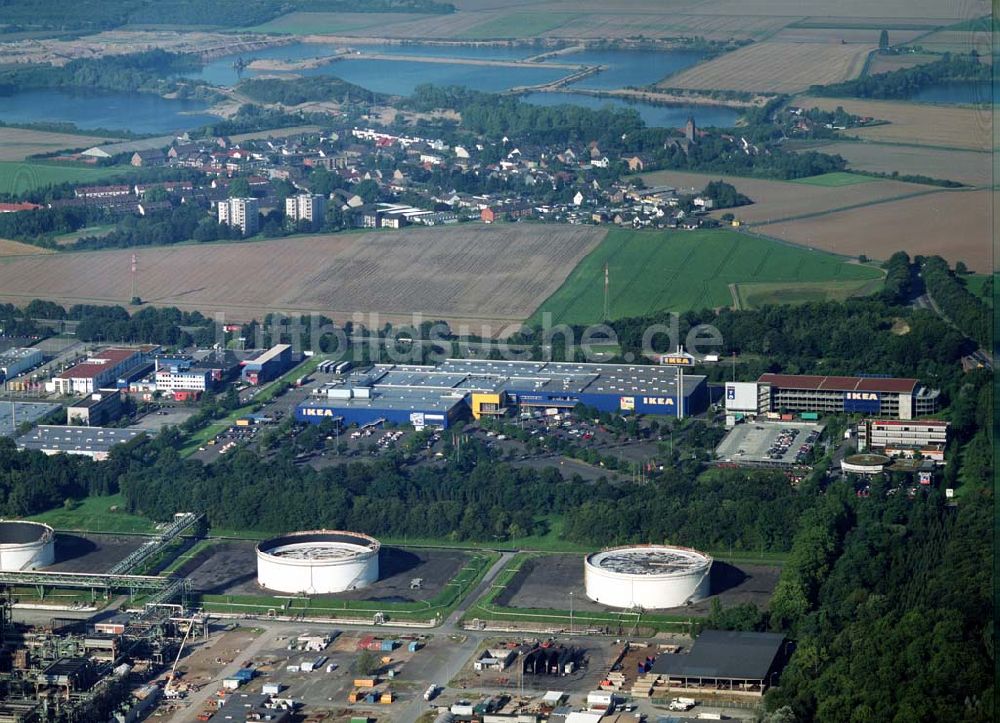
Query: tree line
x=969, y=313
x=905, y=82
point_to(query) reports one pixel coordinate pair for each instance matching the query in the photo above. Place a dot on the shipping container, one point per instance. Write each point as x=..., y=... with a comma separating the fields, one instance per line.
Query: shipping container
x=414, y=646
x=787, y=417
x=364, y=682
x=810, y=415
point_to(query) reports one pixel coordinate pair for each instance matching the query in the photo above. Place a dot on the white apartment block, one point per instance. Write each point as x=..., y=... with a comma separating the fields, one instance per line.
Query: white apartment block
x=241, y=213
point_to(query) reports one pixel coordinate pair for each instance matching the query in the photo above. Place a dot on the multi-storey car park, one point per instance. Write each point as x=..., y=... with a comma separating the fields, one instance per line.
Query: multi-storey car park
x=437, y=396
x=879, y=396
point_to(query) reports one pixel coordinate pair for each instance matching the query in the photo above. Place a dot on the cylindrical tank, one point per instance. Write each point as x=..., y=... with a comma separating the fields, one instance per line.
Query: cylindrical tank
x=317, y=562
x=26, y=545
x=649, y=577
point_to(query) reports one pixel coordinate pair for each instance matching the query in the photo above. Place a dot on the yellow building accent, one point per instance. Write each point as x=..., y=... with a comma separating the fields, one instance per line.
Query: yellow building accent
x=489, y=403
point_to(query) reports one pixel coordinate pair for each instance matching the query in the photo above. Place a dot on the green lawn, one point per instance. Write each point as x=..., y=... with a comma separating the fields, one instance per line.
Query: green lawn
x=756, y=295
x=655, y=271
x=68, y=238
x=974, y=283
x=306, y=23
x=517, y=25
x=835, y=180
x=17, y=177
x=94, y=514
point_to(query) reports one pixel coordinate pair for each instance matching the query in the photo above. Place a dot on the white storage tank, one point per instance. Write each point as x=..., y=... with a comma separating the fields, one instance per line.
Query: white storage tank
x=317, y=562
x=26, y=545
x=649, y=577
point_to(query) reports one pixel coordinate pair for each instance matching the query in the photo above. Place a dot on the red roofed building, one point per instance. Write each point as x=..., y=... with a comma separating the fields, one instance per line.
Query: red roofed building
x=102, y=369
x=14, y=207
x=884, y=397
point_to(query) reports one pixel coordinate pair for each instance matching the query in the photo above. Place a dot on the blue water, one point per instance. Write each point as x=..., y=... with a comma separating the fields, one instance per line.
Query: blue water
x=400, y=78
x=137, y=112
x=634, y=68
x=654, y=116
x=963, y=93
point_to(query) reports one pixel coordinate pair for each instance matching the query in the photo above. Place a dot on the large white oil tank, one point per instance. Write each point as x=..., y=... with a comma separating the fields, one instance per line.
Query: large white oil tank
x=26, y=545
x=317, y=562
x=650, y=577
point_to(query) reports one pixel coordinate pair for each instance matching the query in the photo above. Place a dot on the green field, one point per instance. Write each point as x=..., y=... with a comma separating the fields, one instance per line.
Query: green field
x=655, y=271
x=306, y=23
x=835, y=179
x=17, y=177
x=94, y=514
x=517, y=25
x=756, y=295
x=974, y=283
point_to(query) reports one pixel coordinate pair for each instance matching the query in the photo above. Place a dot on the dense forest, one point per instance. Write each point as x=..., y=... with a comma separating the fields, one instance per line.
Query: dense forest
x=304, y=90
x=904, y=82
x=151, y=71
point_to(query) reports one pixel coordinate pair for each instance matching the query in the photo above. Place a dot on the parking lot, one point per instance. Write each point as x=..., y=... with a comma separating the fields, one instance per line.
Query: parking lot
x=769, y=442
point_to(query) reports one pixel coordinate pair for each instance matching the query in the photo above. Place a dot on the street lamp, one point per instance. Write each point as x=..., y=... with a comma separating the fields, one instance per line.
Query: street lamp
x=571, y=612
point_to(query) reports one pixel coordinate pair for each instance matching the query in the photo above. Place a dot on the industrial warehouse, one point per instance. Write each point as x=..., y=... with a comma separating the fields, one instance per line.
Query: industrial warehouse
x=438, y=396
x=880, y=396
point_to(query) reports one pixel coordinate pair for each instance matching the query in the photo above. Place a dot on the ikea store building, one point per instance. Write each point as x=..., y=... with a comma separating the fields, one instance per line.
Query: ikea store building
x=438, y=396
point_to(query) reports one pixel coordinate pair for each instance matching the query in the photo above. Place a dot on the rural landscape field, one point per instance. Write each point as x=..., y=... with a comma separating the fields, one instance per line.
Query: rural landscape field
x=651, y=272
x=457, y=274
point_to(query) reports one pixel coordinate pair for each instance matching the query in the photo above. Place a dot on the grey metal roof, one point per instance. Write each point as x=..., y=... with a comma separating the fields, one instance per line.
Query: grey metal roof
x=65, y=438
x=724, y=654
x=22, y=412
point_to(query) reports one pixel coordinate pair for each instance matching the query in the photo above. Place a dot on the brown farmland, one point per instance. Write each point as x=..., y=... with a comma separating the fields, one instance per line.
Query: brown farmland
x=776, y=200
x=972, y=168
x=954, y=224
x=921, y=124
x=776, y=67
x=16, y=248
x=468, y=273
x=16, y=144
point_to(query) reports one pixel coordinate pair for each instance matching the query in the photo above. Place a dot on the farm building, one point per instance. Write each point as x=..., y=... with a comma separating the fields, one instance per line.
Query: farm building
x=268, y=365
x=436, y=396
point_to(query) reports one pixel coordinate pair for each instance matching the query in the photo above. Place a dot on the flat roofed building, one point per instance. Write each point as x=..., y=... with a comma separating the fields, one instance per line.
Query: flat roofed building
x=305, y=207
x=93, y=442
x=726, y=661
x=904, y=438
x=241, y=213
x=885, y=397
x=99, y=408
x=17, y=360
x=101, y=369
x=436, y=396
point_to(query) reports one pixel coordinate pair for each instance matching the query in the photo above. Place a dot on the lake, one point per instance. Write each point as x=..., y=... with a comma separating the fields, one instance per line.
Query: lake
x=137, y=112
x=145, y=113
x=963, y=93
x=655, y=116
x=624, y=68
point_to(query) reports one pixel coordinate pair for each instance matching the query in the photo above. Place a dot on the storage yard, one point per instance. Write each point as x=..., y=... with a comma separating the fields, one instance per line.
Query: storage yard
x=546, y=581
x=486, y=273
x=230, y=568
x=91, y=552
